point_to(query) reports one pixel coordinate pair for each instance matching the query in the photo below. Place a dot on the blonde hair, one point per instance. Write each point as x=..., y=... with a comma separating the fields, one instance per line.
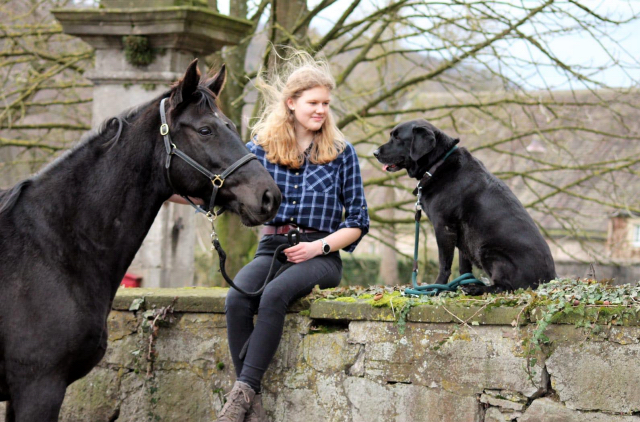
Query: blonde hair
x=275, y=129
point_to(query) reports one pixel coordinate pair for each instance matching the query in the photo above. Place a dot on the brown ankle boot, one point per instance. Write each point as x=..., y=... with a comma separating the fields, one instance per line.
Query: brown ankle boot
x=256, y=412
x=238, y=403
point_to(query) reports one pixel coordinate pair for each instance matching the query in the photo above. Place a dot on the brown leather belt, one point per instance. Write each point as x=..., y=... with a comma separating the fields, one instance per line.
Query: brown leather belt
x=285, y=229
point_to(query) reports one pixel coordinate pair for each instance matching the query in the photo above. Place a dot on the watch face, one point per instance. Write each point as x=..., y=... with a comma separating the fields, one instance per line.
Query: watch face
x=326, y=248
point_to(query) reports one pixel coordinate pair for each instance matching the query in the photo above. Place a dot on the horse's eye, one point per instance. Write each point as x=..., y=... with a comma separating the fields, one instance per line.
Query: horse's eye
x=204, y=131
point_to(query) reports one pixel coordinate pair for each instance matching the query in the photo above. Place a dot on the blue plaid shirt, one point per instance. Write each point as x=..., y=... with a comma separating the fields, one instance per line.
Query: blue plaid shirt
x=315, y=195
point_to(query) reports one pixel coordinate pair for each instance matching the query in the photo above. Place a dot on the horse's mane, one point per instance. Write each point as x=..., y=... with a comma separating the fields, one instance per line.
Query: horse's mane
x=104, y=132
x=9, y=197
x=206, y=100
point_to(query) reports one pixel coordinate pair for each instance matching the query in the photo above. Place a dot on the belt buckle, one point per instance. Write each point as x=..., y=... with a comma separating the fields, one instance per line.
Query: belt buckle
x=294, y=226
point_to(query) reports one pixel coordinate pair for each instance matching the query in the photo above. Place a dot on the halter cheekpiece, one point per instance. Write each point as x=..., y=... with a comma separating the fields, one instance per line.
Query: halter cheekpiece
x=217, y=180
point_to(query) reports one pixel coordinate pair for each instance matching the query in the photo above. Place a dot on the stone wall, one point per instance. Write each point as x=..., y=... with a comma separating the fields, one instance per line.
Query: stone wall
x=348, y=361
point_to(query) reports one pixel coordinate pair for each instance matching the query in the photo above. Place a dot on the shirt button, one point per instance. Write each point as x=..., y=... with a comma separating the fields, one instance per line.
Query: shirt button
x=291, y=219
x=295, y=186
x=294, y=202
x=297, y=173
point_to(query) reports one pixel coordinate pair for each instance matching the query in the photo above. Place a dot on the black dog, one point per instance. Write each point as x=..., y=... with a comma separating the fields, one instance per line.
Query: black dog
x=470, y=209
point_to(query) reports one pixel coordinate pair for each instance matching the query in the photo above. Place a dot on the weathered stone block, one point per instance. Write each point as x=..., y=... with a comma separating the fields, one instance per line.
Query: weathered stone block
x=471, y=315
x=328, y=353
x=371, y=401
x=547, y=410
x=494, y=415
x=196, y=341
x=95, y=395
x=355, y=311
x=189, y=299
x=596, y=376
x=322, y=400
x=599, y=315
x=121, y=325
x=168, y=396
x=448, y=357
x=502, y=403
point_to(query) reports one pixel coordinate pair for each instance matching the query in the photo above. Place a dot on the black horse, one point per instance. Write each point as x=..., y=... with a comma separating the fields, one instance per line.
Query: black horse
x=68, y=234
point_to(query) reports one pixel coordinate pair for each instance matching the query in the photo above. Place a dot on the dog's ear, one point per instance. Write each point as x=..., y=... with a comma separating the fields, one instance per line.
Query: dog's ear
x=424, y=140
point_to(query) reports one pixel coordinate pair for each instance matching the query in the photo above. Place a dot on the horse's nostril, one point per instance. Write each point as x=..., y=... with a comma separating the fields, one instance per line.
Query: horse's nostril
x=268, y=201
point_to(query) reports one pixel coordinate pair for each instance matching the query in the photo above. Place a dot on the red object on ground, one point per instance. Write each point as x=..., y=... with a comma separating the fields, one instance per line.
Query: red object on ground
x=131, y=280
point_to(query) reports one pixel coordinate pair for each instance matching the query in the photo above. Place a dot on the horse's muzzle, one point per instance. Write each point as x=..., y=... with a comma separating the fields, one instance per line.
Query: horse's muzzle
x=271, y=202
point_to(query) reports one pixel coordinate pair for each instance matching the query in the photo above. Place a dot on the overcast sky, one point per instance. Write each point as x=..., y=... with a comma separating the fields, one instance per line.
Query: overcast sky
x=573, y=49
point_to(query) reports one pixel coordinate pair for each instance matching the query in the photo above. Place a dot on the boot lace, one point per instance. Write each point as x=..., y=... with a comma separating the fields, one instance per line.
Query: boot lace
x=231, y=405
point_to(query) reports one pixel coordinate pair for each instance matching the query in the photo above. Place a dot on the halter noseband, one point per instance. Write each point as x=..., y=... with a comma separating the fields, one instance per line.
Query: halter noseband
x=217, y=180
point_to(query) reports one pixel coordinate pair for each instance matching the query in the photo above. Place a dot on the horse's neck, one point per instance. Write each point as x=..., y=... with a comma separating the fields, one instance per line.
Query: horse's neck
x=99, y=202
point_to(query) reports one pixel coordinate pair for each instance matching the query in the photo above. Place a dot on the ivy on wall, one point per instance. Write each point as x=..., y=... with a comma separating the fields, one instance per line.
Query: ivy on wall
x=137, y=50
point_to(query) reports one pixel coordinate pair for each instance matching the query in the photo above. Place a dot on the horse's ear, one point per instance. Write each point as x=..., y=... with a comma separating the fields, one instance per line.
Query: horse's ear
x=216, y=83
x=187, y=85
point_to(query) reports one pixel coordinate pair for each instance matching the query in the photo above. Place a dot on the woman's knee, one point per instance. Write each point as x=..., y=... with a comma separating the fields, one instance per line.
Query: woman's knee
x=274, y=298
x=237, y=303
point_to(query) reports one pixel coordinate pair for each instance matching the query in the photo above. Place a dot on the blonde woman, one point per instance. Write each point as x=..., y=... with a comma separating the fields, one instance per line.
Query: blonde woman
x=317, y=170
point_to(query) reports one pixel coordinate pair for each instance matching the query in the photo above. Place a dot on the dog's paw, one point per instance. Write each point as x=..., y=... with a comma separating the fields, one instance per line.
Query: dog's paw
x=473, y=290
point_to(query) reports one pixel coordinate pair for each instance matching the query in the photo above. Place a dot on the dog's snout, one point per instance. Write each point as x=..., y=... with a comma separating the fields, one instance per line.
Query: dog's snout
x=376, y=153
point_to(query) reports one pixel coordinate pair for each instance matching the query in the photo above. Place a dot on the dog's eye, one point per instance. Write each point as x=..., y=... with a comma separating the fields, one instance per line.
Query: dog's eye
x=204, y=131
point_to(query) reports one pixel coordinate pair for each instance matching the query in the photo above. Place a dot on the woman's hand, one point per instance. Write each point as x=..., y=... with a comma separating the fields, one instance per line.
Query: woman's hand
x=303, y=251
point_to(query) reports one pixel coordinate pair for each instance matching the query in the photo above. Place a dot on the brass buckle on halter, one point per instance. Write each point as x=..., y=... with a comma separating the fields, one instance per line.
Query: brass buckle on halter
x=217, y=179
x=164, y=129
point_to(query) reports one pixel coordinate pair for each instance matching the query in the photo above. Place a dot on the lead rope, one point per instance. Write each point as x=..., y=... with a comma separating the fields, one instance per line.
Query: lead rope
x=293, y=237
x=432, y=289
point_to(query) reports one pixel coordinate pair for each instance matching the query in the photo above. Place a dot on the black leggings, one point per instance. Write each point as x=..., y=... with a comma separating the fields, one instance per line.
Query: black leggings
x=294, y=282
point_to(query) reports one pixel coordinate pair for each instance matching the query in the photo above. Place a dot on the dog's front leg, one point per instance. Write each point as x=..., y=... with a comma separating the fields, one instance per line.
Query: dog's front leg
x=446, y=239
x=464, y=263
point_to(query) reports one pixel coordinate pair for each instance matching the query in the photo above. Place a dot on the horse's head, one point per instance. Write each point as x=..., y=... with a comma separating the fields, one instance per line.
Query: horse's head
x=201, y=131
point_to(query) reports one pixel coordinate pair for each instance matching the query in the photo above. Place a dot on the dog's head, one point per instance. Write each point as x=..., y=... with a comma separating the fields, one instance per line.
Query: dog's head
x=414, y=145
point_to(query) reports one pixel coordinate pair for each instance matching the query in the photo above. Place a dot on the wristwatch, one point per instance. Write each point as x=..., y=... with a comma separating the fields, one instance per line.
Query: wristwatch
x=326, y=248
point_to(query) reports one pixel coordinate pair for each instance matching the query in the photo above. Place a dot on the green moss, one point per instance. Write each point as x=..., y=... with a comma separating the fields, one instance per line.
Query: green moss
x=305, y=312
x=388, y=300
x=346, y=299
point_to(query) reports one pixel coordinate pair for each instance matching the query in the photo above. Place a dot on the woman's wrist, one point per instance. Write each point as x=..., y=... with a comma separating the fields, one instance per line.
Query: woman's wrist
x=322, y=243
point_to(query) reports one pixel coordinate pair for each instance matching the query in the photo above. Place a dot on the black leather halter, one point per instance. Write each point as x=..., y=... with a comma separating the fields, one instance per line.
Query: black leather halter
x=216, y=179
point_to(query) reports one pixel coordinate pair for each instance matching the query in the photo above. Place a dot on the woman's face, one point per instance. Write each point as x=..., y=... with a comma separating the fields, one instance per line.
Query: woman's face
x=311, y=108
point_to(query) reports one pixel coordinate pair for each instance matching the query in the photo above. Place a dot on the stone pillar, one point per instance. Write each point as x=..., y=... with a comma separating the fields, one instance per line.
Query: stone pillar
x=175, y=35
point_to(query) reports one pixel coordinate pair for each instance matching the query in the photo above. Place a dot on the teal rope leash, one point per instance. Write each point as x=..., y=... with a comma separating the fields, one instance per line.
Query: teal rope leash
x=433, y=289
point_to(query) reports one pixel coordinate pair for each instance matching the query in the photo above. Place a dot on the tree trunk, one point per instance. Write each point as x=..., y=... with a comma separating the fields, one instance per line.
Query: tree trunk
x=389, y=258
